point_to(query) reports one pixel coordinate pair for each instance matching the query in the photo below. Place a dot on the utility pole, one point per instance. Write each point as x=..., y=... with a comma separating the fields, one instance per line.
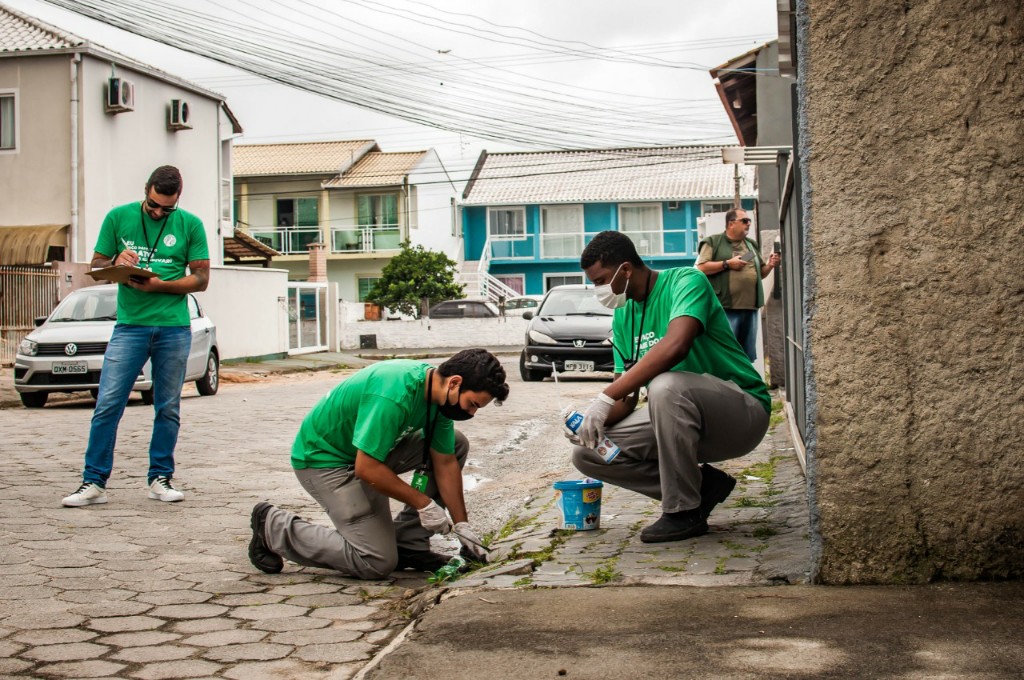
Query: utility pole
x=736, y=180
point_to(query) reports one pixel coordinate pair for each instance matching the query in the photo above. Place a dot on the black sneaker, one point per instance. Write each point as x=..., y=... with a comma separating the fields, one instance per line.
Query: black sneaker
x=420, y=560
x=262, y=557
x=715, y=487
x=675, y=526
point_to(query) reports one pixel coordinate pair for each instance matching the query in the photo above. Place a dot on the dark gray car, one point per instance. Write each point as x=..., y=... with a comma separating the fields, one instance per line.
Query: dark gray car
x=571, y=331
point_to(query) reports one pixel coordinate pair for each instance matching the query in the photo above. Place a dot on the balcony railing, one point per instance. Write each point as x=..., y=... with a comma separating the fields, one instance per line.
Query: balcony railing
x=649, y=243
x=288, y=240
x=656, y=242
x=366, y=239
x=513, y=247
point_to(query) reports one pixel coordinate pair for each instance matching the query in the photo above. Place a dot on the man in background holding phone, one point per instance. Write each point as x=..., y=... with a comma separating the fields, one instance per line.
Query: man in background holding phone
x=733, y=264
x=152, y=323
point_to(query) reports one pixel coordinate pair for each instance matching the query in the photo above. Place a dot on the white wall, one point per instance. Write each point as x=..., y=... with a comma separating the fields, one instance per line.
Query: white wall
x=423, y=333
x=250, y=309
x=119, y=151
x=432, y=211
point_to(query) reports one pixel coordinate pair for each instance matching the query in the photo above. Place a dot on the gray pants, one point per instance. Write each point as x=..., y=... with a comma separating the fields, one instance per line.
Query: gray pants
x=690, y=419
x=365, y=539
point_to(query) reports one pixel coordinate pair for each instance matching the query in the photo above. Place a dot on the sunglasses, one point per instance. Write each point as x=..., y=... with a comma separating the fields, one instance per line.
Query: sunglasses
x=156, y=206
x=744, y=220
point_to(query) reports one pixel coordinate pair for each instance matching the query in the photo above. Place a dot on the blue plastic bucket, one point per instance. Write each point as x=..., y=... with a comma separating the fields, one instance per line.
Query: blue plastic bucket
x=579, y=501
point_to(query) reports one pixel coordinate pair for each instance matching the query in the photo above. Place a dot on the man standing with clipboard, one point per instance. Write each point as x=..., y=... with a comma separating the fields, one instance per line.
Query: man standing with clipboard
x=389, y=418
x=152, y=323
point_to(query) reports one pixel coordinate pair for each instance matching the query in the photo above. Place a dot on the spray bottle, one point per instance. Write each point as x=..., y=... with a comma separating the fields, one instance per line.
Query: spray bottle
x=572, y=418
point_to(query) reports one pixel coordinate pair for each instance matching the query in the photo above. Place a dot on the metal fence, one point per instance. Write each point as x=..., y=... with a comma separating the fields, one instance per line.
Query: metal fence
x=25, y=293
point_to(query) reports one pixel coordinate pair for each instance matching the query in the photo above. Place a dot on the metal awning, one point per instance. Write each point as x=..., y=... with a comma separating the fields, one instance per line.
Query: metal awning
x=29, y=245
x=241, y=247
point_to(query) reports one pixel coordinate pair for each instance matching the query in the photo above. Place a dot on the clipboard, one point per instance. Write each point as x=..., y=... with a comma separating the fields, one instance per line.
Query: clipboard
x=120, y=273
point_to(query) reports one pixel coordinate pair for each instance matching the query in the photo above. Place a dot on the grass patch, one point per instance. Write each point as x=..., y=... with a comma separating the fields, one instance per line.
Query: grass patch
x=763, y=532
x=670, y=568
x=602, y=575
x=525, y=581
x=720, y=565
x=541, y=556
x=777, y=416
x=763, y=471
x=746, y=502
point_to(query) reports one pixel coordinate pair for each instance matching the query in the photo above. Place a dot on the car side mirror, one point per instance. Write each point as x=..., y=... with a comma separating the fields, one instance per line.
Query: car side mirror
x=39, y=320
x=527, y=315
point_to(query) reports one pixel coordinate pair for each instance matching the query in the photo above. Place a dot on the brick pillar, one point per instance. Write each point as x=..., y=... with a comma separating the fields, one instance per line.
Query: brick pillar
x=317, y=263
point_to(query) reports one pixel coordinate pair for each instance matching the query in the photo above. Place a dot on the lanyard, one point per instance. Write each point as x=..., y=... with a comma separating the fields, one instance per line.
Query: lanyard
x=145, y=234
x=629, y=363
x=428, y=424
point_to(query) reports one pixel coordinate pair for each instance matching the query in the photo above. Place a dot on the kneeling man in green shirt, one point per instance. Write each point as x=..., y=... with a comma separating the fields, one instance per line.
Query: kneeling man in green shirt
x=349, y=452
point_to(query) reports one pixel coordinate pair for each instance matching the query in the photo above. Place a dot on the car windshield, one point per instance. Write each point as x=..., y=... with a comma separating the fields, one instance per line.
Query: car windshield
x=99, y=305
x=573, y=302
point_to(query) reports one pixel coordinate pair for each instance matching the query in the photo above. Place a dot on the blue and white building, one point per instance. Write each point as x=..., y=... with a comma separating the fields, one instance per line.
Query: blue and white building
x=526, y=217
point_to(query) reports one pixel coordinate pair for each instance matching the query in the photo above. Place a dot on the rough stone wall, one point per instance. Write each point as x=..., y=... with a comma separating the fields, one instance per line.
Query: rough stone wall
x=913, y=114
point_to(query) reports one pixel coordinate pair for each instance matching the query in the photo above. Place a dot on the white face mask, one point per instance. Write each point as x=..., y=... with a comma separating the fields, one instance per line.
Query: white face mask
x=607, y=297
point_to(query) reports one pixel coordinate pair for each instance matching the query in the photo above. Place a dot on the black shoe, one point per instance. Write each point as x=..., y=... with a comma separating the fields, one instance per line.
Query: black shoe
x=262, y=557
x=420, y=560
x=675, y=526
x=715, y=487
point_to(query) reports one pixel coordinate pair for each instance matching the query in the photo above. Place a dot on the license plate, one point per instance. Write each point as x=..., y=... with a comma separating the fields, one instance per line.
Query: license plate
x=69, y=367
x=579, y=366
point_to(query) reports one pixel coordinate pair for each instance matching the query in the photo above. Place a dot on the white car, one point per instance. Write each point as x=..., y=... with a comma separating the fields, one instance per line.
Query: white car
x=65, y=353
x=517, y=305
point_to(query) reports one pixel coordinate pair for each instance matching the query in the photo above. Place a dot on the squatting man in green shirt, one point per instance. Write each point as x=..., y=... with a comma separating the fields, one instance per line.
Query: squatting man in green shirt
x=706, y=403
x=349, y=452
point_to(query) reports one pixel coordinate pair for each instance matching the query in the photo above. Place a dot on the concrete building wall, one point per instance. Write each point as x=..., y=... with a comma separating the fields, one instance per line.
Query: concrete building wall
x=250, y=310
x=502, y=331
x=912, y=118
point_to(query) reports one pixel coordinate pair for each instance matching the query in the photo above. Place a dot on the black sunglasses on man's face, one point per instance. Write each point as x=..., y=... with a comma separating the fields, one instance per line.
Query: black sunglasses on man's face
x=744, y=220
x=152, y=205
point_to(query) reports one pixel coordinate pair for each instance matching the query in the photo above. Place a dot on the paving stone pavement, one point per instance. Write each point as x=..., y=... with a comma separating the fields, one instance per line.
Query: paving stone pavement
x=141, y=589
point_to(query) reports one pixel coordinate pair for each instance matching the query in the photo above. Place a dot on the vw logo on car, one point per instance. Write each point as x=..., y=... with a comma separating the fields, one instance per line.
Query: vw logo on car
x=71, y=349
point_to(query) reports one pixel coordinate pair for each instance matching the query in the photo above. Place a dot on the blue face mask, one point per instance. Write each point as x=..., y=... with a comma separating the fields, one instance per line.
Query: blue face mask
x=455, y=411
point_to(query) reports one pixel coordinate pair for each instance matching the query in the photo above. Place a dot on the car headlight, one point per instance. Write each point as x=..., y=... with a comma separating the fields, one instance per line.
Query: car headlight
x=28, y=348
x=541, y=339
x=606, y=341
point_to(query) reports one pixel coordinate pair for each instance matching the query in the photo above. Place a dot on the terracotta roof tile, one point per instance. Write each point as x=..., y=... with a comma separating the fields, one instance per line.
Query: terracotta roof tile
x=377, y=169
x=20, y=33
x=300, y=158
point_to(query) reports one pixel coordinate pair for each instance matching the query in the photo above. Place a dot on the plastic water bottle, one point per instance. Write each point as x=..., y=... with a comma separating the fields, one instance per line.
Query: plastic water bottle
x=448, y=572
x=606, y=448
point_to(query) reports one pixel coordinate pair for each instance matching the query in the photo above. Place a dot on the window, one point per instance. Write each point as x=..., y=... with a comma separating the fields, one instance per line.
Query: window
x=516, y=282
x=366, y=283
x=8, y=129
x=377, y=210
x=298, y=212
x=503, y=223
x=552, y=280
x=642, y=223
x=193, y=307
x=561, y=231
x=708, y=207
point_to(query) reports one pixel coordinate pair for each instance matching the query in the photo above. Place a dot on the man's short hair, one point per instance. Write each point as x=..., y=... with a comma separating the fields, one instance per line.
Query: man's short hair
x=166, y=180
x=731, y=215
x=480, y=370
x=611, y=248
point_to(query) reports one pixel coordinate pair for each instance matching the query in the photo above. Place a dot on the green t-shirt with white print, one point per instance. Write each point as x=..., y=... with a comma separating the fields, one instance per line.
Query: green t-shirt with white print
x=165, y=247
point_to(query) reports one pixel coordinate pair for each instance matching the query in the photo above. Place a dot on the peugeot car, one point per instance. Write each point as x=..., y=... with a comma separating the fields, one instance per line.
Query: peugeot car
x=570, y=331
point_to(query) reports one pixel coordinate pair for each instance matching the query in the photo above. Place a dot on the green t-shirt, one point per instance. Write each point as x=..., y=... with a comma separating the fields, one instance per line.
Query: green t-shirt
x=715, y=351
x=370, y=411
x=165, y=247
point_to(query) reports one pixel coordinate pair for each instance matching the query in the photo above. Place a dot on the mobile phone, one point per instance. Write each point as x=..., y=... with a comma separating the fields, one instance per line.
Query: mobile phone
x=747, y=256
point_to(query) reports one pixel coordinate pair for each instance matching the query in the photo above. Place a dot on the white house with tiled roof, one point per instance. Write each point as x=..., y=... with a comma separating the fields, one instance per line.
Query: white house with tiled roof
x=359, y=201
x=526, y=217
x=81, y=129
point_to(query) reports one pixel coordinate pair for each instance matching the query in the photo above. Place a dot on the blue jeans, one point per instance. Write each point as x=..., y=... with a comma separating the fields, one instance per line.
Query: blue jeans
x=744, y=327
x=167, y=347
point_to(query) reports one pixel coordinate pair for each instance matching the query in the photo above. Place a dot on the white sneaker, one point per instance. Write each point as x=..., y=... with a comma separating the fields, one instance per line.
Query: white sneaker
x=161, y=490
x=87, y=494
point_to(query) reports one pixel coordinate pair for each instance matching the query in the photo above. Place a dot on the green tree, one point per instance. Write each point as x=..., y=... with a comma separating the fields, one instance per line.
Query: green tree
x=414, y=274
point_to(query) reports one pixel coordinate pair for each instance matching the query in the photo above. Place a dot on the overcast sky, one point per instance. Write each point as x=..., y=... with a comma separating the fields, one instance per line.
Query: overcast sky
x=653, y=55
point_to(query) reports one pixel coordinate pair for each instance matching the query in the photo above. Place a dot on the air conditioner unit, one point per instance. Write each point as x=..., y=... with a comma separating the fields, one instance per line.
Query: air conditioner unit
x=180, y=115
x=120, y=95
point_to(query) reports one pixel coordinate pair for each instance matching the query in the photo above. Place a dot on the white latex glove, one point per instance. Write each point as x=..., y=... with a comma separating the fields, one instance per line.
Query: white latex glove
x=470, y=541
x=592, y=428
x=434, y=518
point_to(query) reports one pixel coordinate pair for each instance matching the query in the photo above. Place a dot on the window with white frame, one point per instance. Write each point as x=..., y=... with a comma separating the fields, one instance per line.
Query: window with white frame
x=643, y=224
x=8, y=122
x=561, y=231
x=552, y=280
x=377, y=210
x=708, y=207
x=506, y=223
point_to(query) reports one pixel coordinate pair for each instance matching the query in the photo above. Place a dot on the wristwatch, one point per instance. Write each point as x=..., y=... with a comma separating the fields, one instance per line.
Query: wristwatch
x=725, y=265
